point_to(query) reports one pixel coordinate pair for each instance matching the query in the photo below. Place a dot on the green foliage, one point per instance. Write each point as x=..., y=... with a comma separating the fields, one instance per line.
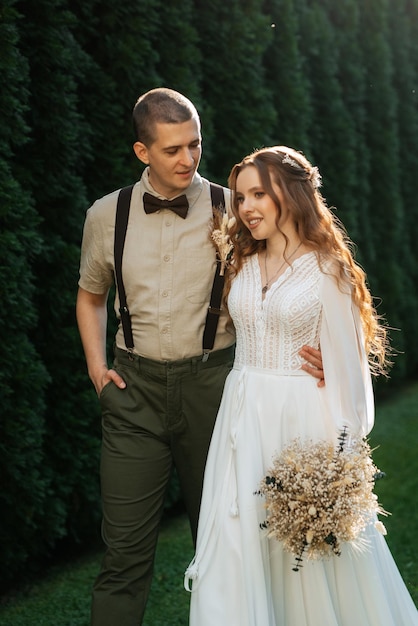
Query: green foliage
x=331, y=118
x=287, y=78
x=336, y=80
x=233, y=37
x=386, y=216
x=53, y=159
x=22, y=373
x=178, y=66
x=404, y=46
x=351, y=76
x=117, y=58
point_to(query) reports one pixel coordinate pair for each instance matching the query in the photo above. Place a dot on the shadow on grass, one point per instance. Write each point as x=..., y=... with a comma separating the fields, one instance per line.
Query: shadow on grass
x=62, y=596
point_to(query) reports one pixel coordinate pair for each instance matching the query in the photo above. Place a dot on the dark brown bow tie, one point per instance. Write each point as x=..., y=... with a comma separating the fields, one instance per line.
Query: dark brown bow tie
x=179, y=205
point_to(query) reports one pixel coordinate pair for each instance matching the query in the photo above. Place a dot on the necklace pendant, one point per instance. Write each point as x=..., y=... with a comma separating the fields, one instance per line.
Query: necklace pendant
x=264, y=289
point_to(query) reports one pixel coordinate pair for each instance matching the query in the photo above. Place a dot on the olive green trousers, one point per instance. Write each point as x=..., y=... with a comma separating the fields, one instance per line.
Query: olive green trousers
x=163, y=419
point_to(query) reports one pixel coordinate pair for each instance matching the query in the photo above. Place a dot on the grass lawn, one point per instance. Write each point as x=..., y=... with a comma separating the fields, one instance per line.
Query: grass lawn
x=62, y=596
x=396, y=435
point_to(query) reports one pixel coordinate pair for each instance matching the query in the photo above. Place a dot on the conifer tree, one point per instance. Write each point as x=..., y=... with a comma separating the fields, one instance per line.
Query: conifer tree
x=404, y=49
x=332, y=127
x=177, y=42
x=22, y=375
x=118, y=53
x=53, y=160
x=382, y=136
x=233, y=39
x=287, y=78
x=345, y=20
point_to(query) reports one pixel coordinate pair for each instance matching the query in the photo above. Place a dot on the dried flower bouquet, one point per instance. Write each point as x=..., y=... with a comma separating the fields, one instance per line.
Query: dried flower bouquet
x=318, y=495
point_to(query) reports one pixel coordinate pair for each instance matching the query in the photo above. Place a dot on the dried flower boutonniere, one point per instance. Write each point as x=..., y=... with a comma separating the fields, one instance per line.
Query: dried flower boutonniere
x=220, y=235
x=319, y=496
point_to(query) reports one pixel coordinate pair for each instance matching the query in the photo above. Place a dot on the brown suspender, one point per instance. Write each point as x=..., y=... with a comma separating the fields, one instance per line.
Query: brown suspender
x=121, y=224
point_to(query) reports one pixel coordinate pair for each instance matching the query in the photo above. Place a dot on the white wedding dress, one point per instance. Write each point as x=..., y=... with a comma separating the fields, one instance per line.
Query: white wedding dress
x=238, y=576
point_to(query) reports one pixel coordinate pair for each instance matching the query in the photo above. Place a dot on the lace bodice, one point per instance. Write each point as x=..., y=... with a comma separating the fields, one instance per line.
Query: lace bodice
x=271, y=332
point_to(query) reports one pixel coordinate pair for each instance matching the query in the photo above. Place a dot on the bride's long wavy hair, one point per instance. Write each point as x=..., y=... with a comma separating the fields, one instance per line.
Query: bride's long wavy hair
x=317, y=227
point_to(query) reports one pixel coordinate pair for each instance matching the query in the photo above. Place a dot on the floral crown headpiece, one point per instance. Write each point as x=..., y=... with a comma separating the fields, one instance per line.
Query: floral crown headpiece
x=314, y=175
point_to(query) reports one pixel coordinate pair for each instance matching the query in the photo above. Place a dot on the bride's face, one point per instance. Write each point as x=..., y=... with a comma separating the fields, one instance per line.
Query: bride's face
x=257, y=209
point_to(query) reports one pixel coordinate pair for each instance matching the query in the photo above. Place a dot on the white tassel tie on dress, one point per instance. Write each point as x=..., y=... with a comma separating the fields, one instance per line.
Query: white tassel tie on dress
x=234, y=508
x=191, y=574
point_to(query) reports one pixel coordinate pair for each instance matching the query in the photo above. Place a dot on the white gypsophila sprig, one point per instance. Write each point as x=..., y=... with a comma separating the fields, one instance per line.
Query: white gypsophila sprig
x=316, y=178
x=288, y=159
x=314, y=175
x=318, y=497
x=222, y=240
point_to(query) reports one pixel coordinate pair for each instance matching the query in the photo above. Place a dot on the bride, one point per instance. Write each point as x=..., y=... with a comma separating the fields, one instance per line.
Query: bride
x=292, y=282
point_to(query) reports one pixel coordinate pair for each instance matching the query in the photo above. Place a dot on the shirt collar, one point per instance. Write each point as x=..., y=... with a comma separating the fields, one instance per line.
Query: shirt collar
x=192, y=192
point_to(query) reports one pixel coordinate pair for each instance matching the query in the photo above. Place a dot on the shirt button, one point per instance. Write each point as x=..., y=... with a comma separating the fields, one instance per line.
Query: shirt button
x=164, y=294
x=168, y=223
x=164, y=331
x=166, y=257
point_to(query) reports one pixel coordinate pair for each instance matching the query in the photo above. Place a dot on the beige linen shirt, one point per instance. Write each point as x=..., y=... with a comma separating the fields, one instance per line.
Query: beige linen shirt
x=168, y=268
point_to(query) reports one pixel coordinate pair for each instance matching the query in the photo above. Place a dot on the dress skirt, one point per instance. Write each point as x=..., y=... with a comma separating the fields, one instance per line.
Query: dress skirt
x=239, y=577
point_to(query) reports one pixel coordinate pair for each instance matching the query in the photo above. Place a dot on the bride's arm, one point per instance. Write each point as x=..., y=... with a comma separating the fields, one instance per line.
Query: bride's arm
x=346, y=369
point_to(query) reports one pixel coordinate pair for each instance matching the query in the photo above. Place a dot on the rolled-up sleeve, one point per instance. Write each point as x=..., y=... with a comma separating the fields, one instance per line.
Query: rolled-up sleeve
x=96, y=273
